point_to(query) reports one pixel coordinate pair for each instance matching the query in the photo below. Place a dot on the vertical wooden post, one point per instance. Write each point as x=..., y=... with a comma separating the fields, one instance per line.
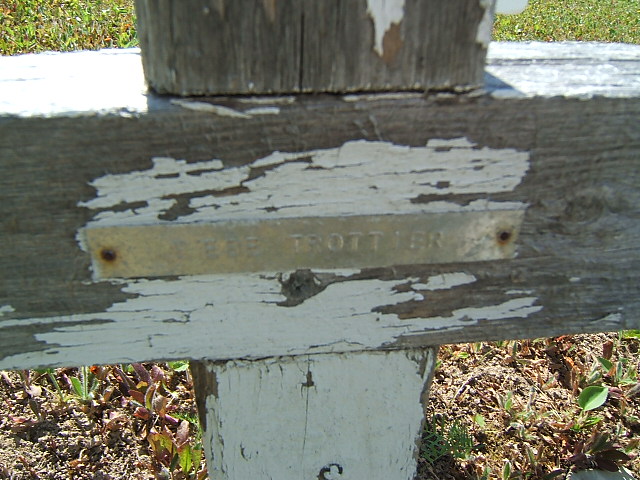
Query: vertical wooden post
x=327, y=416
x=196, y=47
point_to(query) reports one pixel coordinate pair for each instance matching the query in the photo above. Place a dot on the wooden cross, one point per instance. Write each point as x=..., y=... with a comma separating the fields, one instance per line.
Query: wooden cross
x=354, y=188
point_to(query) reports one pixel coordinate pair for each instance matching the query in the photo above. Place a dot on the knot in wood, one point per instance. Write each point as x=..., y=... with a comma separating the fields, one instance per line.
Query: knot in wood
x=299, y=286
x=332, y=471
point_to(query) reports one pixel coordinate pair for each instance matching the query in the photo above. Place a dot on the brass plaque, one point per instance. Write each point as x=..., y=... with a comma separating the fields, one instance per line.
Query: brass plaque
x=286, y=244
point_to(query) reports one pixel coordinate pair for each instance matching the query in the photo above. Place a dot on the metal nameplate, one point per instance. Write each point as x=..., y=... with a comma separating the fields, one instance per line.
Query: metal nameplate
x=286, y=244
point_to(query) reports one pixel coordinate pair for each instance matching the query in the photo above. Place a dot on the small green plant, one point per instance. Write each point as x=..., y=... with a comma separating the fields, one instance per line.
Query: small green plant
x=585, y=421
x=630, y=334
x=506, y=403
x=507, y=471
x=593, y=397
x=441, y=438
x=179, y=365
x=175, y=438
x=85, y=386
x=619, y=373
x=51, y=374
x=175, y=452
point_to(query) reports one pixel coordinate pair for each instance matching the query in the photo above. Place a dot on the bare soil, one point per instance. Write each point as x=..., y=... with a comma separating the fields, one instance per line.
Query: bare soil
x=514, y=408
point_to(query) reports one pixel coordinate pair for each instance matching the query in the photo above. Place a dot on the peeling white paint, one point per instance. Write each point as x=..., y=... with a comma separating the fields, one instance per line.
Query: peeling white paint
x=6, y=309
x=344, y=272
x=374, y=97
x=223, y=111
x=445, y=281
x=564, y=69
x=322, y=411
x=238, y=316
x=484, y=32
x=358, y=178
x=269, y=100
x=613, y=319
x=575, y=279
x=521, y=307
x=209, y=108
x=384, y=13
x=262, y=111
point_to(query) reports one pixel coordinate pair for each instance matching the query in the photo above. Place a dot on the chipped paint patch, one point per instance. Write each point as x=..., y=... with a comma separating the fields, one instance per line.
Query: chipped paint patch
x=262, y=111
x=279, y=100
x=521, y=307
x=6, y=309
x=223, y=111
x=358, y=178
x=209, y=108
x=613, y=319
x=384, y=14
x=483, y=34
x=518, y=292
x=445, y=281
x=240, y=316
x=374, y=97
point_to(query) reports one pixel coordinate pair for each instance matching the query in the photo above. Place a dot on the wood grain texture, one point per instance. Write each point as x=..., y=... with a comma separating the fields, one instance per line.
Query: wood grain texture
x=576, y=270
x=206, y=47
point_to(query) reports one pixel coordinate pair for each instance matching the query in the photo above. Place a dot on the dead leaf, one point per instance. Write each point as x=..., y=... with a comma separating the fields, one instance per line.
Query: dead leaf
x=182, y=434
x=21, y=424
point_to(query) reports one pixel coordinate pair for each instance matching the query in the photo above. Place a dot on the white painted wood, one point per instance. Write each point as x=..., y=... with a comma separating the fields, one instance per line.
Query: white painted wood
x=241, y=316
x=384, y=13
x=80, y=83
x=173, y=318
x=202, y=317
x=86, y=83
x=485, y=27
x=360, y=177
x=607, y=70
x=337, y=416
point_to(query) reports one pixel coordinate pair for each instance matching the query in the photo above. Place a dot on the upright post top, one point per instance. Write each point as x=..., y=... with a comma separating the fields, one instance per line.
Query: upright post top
x=194, y=47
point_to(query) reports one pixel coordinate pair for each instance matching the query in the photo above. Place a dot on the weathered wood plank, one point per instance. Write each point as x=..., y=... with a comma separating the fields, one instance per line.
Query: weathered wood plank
x=200, y=46
x=355, y=415
x=220, y=47
x=526, y=142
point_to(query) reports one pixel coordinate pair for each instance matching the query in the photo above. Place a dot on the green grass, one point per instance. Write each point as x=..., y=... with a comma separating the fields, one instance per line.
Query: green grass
x=40, y=25
x=584, y=20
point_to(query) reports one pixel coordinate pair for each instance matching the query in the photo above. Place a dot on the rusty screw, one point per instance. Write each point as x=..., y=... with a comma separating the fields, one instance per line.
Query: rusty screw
x=108, y=255
x=504, y=236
